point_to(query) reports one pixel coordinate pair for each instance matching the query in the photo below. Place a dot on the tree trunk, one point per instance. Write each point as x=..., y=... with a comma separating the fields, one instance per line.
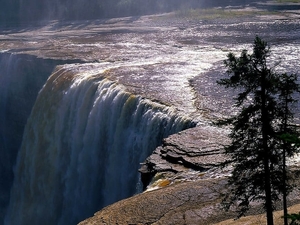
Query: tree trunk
x=265, y=125
x=285, y=211
x=284, y=195
x=268, y=202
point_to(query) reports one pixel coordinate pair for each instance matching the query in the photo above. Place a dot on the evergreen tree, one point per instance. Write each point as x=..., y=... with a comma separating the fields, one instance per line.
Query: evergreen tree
x=258, y=134
x=288, y=132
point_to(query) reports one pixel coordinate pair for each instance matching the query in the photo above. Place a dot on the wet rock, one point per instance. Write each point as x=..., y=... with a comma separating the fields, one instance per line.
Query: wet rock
x=198, y=149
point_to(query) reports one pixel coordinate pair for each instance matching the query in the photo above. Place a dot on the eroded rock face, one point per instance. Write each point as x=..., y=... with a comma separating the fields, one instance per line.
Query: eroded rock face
x=198, y=149
x=183, y=167
x=186, y=203
x=189, y=203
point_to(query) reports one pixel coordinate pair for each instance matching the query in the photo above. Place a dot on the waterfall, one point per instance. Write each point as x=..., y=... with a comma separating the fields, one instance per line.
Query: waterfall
x=82, y=148
x=21, y=78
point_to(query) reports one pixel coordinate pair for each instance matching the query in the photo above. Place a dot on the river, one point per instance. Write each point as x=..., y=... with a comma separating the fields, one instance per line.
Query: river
x=160, y=69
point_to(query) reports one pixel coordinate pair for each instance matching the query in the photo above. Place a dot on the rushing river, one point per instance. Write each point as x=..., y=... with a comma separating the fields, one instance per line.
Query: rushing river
x=156, y=72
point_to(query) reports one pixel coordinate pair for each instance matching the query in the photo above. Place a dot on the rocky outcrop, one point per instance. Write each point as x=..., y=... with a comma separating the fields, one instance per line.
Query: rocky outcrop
x=186, y=167
x=186, y=184
x=198, y=149
x=187, y=203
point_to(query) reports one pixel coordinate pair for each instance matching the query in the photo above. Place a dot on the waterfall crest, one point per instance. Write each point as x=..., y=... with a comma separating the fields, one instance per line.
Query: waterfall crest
x=82, y=147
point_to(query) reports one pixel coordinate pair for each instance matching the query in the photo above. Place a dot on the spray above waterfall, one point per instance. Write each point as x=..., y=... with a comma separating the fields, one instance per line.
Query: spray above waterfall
x=16, y=12
x=82, y=147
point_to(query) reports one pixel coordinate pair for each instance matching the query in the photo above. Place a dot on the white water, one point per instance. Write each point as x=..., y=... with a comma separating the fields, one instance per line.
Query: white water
x=62, y=178
x=82, y=147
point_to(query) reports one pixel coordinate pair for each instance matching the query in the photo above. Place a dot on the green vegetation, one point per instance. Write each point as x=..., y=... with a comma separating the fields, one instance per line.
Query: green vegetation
x=218, y=13
x=262, y=133
x=295, y=218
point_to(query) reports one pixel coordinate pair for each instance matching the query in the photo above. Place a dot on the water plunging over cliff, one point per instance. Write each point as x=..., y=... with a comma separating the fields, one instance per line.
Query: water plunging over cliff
x=21, y=78
x=82, y=147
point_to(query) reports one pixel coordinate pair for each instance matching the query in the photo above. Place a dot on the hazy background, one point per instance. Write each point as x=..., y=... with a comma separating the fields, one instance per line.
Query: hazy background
x=20, y=12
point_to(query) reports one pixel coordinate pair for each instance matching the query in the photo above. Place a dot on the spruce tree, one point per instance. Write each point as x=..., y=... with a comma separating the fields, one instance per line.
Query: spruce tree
x=288, y=132
x=258, y=134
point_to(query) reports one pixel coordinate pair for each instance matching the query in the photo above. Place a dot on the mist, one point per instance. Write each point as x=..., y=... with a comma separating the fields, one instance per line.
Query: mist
x=24, y=12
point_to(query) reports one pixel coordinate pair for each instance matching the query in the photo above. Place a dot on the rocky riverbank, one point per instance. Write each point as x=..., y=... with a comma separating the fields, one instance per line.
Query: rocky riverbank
x=185, y=203
x=189, y=203
x=186, y=186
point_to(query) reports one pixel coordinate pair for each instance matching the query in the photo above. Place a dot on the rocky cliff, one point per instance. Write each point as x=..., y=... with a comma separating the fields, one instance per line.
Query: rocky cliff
x=187, y=155
x=186, y=185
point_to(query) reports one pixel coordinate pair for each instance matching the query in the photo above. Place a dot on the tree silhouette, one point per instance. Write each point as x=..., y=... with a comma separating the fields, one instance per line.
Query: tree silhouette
x=288, y=133
x=261, y=137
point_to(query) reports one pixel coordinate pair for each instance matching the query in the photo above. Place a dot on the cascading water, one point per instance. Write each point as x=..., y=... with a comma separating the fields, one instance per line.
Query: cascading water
x=82, y=147
x=21, y=78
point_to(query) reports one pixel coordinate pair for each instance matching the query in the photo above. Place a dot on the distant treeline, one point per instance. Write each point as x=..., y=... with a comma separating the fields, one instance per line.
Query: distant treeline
x=14, y=12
